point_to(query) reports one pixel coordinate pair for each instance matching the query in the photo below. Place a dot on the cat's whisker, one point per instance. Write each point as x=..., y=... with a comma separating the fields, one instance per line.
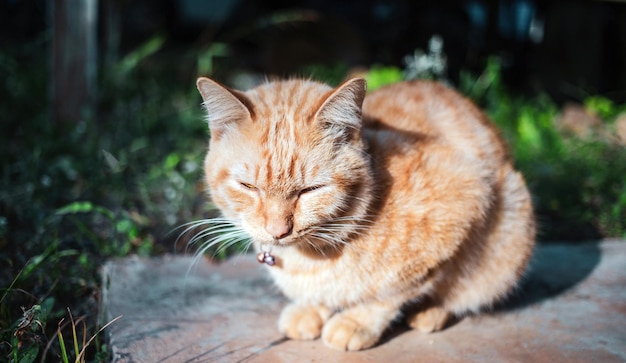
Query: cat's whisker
x=339, y=227
x=345, y=229
x=216, y=240
x=315, y=246
x=217, y=222
x=215, y=229
x=224, y=246
x=217, y=232
x=207, y=232
x=198, y=222
x=223, y=241
x=190, y=226
x=353, y=218
x=331, y=240
x=247, y=246
x=220, y=232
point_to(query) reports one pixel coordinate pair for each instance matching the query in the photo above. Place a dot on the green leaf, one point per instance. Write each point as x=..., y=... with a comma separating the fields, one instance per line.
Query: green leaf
x=76, y=207
x=83, y=207
x=46, y=308
x=379, y=76
x=29, y=354
x=48, y=254
x=132, y=59
x=35, y=261
x=529, y=133
x=171, y=161
x=112, y=162
x=601, y=106
x=205, y=59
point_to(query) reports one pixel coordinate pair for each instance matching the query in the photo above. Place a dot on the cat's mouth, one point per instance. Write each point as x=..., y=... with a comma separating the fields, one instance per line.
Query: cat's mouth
x=293, y=239
x=284, y=242
x=309, y=235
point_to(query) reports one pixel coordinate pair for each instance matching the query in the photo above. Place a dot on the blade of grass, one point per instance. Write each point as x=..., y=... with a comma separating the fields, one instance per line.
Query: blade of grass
x=82, y=357
x=74, y=338
x=61, y=325
x=14, y=349
x=82, y=352
x=6, y=291
x=62, y=343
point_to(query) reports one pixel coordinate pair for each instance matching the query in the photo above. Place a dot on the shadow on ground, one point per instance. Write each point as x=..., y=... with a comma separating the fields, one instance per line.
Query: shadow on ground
x=554, y=269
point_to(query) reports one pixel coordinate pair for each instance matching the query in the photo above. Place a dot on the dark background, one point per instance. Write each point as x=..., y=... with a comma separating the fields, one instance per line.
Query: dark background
x=569, y=49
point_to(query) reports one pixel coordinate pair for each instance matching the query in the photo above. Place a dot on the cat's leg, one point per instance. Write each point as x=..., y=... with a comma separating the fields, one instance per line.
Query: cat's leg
x=429, y=320
x=499, y=258
x=488, y=267
x=303, y=322
x=359, y=327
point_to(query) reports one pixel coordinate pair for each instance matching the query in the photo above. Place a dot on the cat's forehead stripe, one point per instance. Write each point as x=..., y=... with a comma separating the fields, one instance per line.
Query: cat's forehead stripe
x=283, y=133
x=290, y=97
x=314, y=170
x=268, y=170
x=302, y=171
x=292, y=166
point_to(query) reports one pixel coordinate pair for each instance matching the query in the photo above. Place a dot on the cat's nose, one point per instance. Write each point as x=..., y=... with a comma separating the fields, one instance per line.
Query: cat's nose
x=279, y=229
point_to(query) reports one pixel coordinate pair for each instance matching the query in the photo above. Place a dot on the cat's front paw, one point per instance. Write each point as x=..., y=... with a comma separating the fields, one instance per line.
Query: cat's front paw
x=344, y=333
x=302, y=322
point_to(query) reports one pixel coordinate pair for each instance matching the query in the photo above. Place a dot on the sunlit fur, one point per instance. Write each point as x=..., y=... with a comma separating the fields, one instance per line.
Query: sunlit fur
x=370, y=203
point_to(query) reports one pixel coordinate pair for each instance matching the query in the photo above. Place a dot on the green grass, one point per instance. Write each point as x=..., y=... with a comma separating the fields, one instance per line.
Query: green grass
x=577, y=183
x=119, y=181
x=71, y=196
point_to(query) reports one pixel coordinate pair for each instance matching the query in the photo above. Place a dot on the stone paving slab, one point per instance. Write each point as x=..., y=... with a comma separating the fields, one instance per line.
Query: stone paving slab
x=571, y=308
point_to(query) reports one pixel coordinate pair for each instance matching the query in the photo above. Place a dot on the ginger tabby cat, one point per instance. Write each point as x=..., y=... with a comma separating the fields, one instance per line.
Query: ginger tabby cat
x=362, y=205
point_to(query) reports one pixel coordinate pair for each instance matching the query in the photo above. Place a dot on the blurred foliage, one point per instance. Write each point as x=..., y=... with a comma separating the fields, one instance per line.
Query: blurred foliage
x=73, y=195
x=378, y=76
x=577, y=182
x=120, y=182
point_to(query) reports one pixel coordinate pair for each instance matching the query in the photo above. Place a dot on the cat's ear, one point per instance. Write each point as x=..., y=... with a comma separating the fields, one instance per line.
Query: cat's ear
x=225, y=107
x=342, y=107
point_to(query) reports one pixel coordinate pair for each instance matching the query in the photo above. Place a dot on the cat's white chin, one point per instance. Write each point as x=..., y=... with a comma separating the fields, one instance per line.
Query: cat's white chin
x=275, y=243
x=294, y=239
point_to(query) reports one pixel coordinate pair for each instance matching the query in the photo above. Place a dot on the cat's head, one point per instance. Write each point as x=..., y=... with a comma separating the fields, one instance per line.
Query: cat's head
x=286, y=160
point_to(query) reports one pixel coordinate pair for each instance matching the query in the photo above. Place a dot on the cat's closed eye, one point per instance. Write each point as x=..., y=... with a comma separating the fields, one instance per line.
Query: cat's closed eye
x=248, y=186
x=309, y=189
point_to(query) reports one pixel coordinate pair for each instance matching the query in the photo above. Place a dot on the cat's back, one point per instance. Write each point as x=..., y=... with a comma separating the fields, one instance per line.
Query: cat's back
x=436, y=115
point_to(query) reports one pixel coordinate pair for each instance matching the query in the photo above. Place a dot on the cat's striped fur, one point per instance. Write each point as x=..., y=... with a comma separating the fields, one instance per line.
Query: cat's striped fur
x=369, y=202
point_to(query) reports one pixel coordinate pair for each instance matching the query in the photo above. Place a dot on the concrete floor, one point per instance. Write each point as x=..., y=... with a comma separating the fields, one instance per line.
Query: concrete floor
x=571, y=308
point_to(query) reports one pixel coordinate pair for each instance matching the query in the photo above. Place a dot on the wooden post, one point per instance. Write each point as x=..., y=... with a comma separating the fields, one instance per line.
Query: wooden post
x=74, y=59
x=112, y=35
